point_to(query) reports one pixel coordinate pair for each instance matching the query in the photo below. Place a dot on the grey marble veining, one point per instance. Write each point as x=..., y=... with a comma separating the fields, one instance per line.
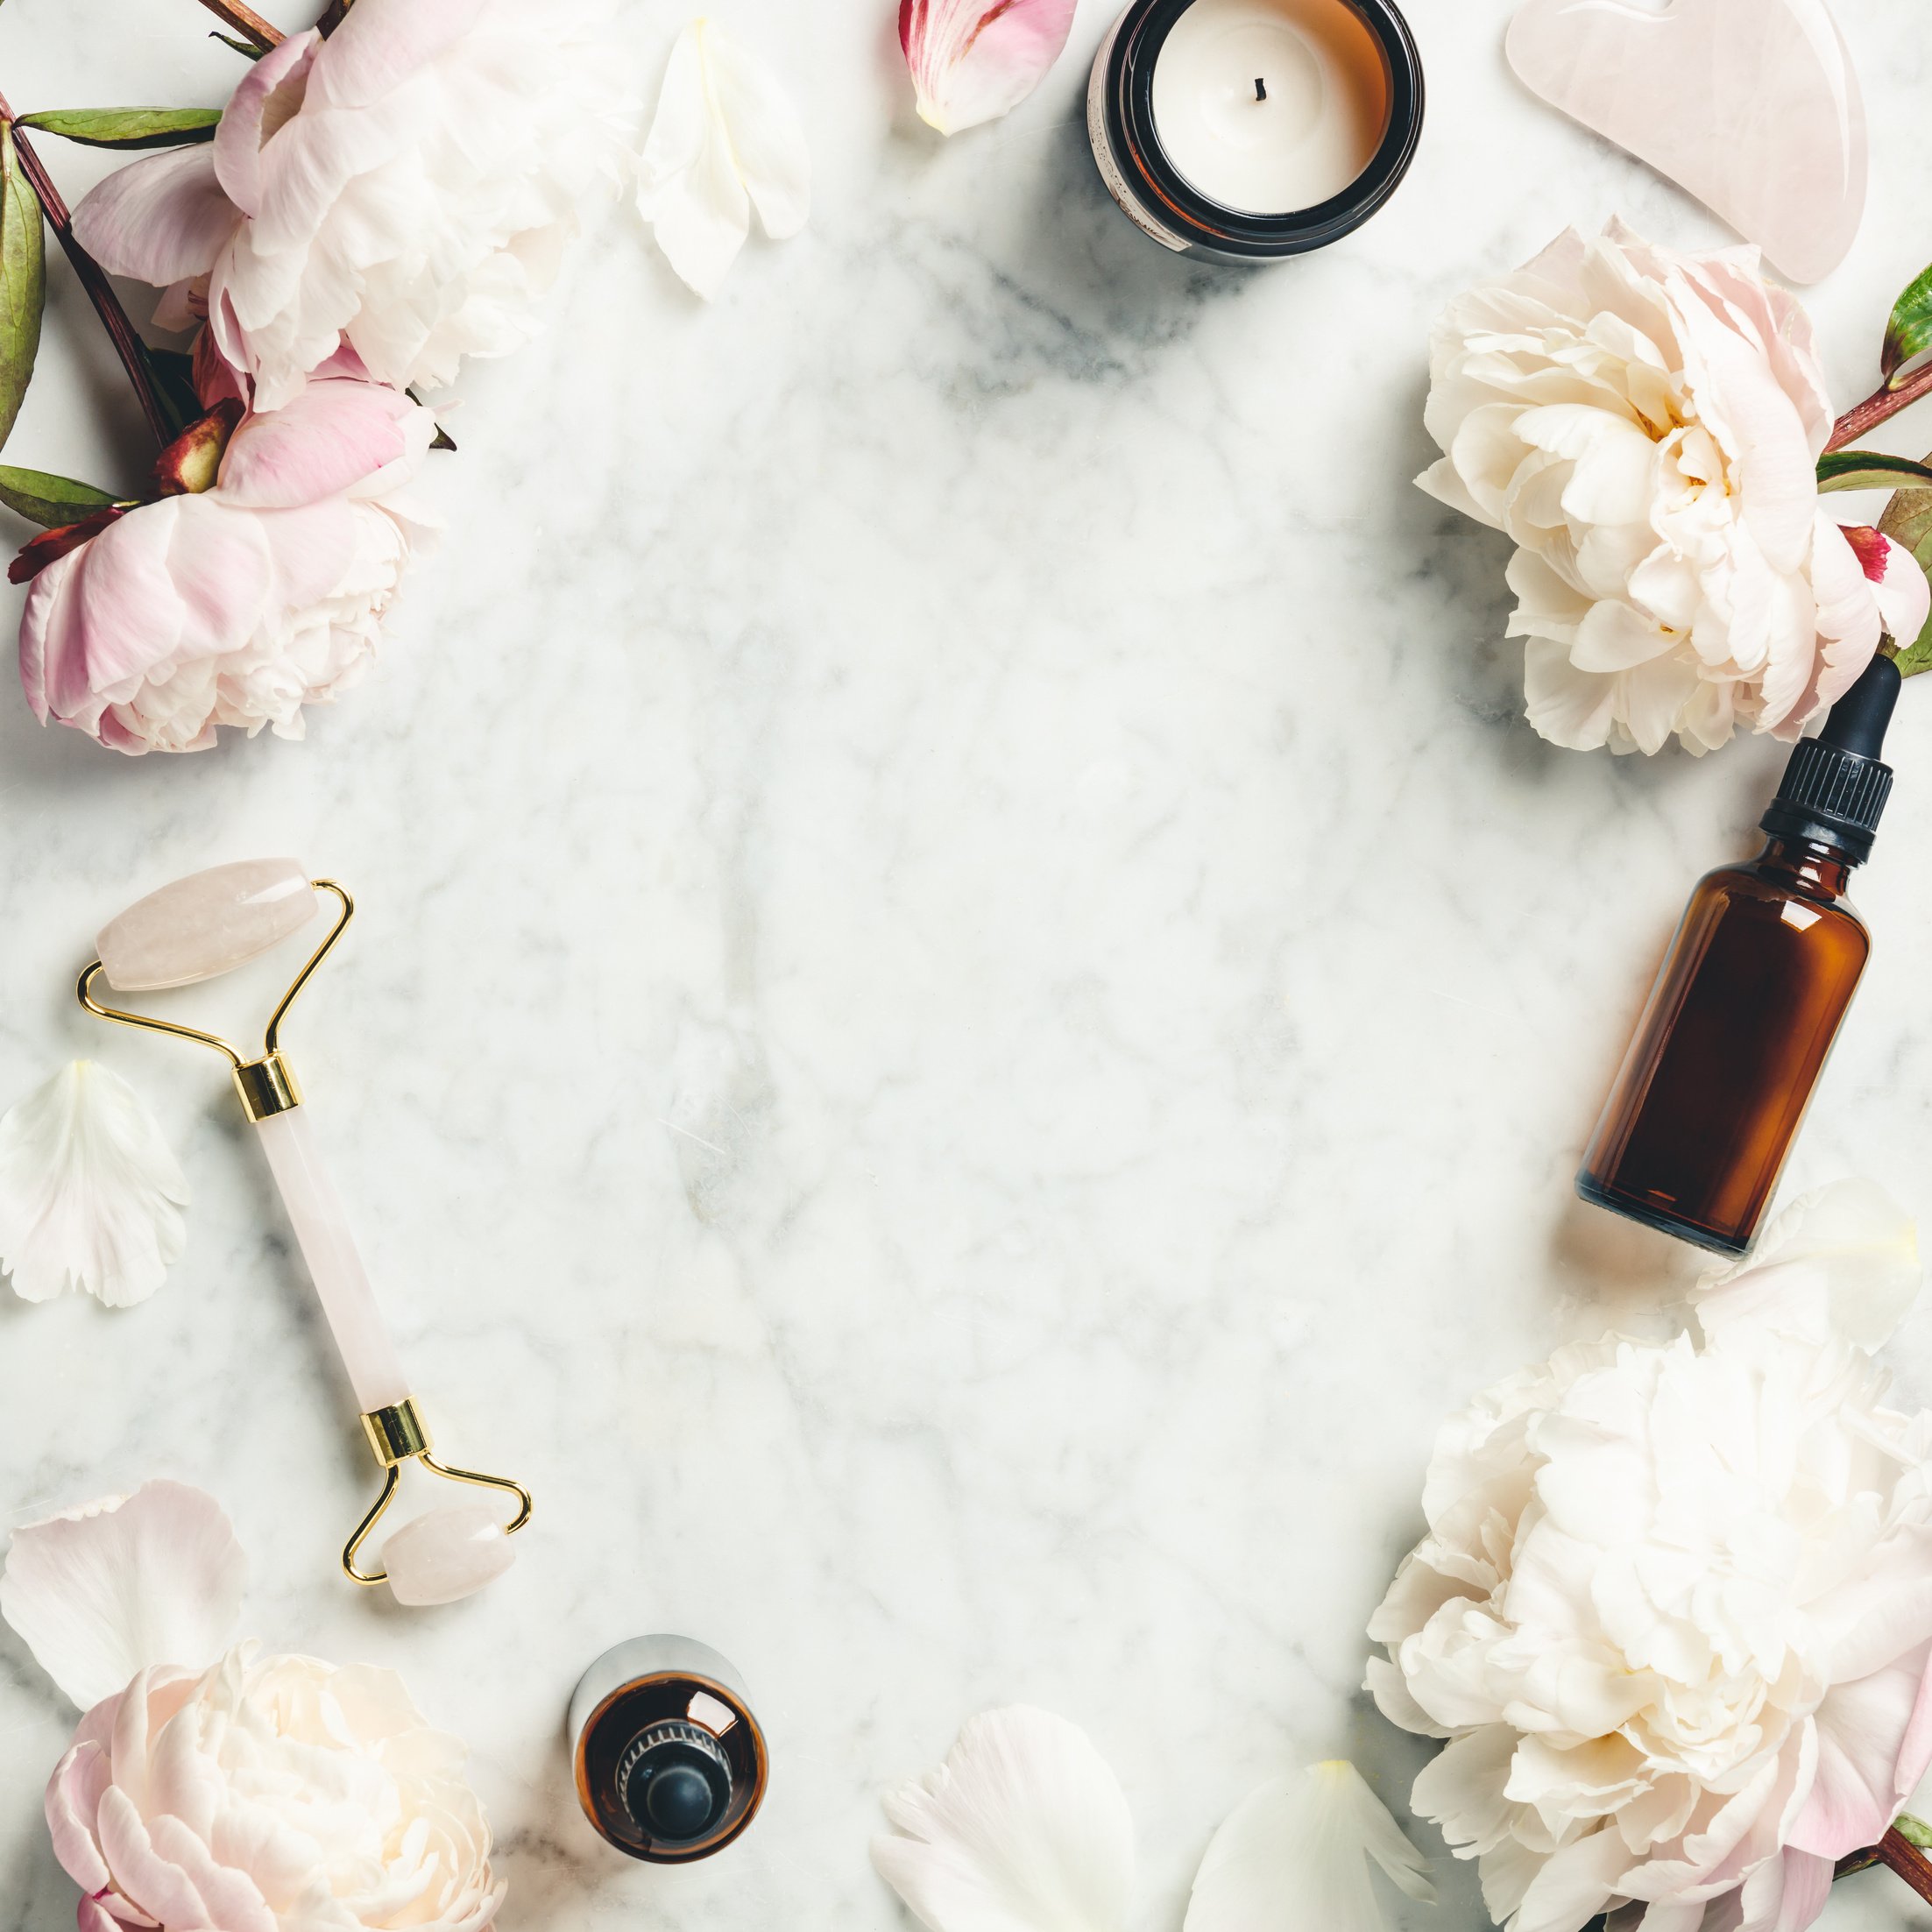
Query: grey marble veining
x=972, y=1009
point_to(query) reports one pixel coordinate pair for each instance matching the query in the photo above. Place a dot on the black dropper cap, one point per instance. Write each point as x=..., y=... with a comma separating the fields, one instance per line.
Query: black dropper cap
x=1835, y=786
x=676, y=1782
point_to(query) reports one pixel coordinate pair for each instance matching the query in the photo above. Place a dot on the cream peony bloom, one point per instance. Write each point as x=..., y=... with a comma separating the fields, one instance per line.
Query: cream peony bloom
x=1674, y=1613
x=406, y=186
x=1645, y=426
x=238, y=1792
x=270, y=1794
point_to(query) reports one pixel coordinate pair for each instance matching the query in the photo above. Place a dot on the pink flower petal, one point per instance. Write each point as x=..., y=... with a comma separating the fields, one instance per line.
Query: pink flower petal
x=161, y=219
x=73, y=1797
x=256, y=113
x=1863, y=1733
x=380, y=44
x=332, y=436
x=158, y=1887
x=973, y=60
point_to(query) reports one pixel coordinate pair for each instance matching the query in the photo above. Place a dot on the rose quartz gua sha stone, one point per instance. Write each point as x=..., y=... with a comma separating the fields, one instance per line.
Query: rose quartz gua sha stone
x=1750, y=105
x=208, y=925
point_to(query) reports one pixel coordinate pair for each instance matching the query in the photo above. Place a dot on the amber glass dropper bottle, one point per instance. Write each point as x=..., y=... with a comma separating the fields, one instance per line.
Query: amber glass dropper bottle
x=1765, y=960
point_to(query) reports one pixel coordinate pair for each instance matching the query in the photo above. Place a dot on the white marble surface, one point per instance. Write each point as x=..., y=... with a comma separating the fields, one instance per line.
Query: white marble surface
x=972, y=1008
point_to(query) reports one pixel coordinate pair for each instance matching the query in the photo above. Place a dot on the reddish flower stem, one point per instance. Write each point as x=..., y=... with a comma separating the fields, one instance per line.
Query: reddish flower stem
x=245, y=21
x=1881, y=404
x=93, y=278
x=1896, y=1853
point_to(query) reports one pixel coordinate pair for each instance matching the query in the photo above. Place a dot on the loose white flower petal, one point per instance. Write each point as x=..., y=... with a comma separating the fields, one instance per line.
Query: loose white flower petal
x=1840, y=1263
x=125, y=1584
x=1293, y=1856
x=90, y=1194
x=725, y=139
x=973, y=60
x=1023, y=1829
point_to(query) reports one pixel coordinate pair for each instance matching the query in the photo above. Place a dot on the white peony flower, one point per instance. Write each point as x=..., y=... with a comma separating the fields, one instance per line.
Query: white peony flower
x=243, y=1792
x=725, y=139
x=1645, y=426
x=1674, y=1614
x=90, y=1192
x=407, y=185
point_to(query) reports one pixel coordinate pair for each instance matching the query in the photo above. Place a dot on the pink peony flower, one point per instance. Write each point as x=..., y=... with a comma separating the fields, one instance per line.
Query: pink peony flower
x=256, y=586
x=406, y=185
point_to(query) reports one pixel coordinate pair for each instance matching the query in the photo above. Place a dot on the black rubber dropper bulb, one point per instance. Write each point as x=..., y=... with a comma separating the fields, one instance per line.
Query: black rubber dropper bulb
x=1835, y=786
x=1857, y=723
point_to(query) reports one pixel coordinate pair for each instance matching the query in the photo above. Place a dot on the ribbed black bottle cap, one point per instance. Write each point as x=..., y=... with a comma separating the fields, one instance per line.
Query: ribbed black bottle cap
x=675, y=1782
x=1835, y=786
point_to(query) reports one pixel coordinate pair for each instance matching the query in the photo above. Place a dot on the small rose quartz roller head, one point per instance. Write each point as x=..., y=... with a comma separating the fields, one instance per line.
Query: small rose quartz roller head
x=205, y=925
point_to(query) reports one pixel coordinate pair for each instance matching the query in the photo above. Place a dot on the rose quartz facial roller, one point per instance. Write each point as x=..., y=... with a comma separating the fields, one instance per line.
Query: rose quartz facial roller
x=208, y=925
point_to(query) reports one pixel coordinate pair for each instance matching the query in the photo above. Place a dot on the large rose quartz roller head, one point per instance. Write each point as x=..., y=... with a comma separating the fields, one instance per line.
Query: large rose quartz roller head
x=208, y=925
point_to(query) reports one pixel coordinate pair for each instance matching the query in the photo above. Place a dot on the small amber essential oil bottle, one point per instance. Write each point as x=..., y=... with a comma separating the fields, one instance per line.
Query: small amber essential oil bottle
x=670, y=1764
x=1714, y=1088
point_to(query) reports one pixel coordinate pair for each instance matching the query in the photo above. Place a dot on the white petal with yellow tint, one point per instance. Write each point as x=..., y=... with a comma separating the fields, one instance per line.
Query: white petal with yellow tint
x=725, y=139
x=90, y=1194
x=123, y=1584
x=1294, y=1857
x=1022, y=1828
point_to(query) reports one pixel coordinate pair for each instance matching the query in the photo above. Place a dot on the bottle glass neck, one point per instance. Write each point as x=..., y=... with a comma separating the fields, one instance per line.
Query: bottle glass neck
x=1818, y=870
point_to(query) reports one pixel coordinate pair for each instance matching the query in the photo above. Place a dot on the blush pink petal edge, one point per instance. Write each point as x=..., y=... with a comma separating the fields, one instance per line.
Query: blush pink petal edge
x=971, y=61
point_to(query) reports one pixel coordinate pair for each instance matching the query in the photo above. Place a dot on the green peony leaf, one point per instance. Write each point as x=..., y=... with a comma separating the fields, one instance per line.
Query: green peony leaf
x=1867, y=470
x=1908, y=332
x=1907, y=519
x=22, y=282
x=127, y=127
x=48, y=500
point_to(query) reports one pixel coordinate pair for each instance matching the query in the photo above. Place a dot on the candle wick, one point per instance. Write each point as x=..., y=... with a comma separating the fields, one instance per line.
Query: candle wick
x=1261, y=88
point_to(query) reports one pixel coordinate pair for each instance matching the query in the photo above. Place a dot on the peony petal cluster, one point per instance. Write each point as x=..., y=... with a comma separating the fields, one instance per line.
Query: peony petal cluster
x=216, y=1789
x=406, y=185
x=270, y=1794
x=1673, y=1612
x=252, y=589
x=1645, y=426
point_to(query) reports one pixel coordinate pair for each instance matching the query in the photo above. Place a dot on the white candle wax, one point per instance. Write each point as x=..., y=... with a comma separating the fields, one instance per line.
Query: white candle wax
x=1268, y=106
